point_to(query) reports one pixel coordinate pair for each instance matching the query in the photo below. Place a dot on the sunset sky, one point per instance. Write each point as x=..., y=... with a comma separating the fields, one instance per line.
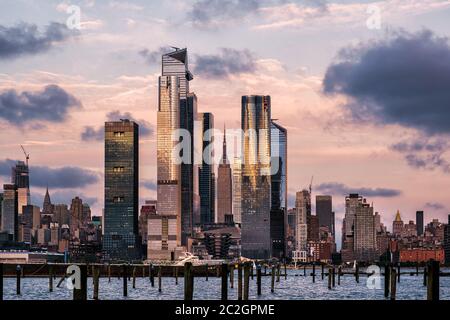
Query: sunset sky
x=367, y=109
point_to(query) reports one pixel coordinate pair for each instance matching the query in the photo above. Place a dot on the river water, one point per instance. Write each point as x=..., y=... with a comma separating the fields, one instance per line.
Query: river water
x=295, y=287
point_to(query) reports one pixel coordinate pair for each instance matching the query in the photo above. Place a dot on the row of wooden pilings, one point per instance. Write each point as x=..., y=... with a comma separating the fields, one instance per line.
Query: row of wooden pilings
x=245, y=271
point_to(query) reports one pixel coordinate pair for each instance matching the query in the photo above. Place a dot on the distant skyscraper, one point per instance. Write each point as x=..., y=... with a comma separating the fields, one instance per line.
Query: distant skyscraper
x=303, y=211
x=324, y=212
x=447, y=241
x=30, y=221
x=237, y=186
x=256, y=177
x=20, y=177
x=365, y=244
x=121, y=234
x=47, y=207
x=206, y=172
x=61, y=214
x=10, y=215
x=76, y=215
x=278, y=213
x=397, y=225
x=419, y=222
x=224, y=192
x=352, y=202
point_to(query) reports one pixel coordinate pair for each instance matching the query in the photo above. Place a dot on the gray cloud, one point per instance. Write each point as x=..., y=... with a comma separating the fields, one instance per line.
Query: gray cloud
x=92, y=134
x=211, y=14
x=25, y=39
x=425, y=153
x=403, y=80
x=63, y=178
x=435, y=206
x=154, y=57
x=227, y=62
x=97, y=134
x=52, y=104
x=335, y=188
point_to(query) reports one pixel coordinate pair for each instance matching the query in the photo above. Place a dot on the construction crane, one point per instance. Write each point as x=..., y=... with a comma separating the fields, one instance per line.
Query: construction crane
x=310, y=186
x=27, y=155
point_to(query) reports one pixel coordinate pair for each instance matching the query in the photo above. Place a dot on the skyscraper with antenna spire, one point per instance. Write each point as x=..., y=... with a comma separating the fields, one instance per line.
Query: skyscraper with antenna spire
x=224, y=186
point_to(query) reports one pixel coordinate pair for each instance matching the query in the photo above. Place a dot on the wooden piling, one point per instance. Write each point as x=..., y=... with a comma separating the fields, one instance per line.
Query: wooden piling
x=18, y=274
x=239, y=281
x=96, y=277
x=247, y=267
x=357, y=273
x=125, y=280
x=109, y=273
x=224, y=274
x=272, y=284
x=433, y=281
x=134, y=278
x=159, y=279
x=387, y=280
x=398, y=272
x=304, y=270
x=81, y=293
x=188, y=282
x=330, y=282
x=152, y=276
x=258, y=278
x=251, y=271
x=50, y=278
x=285, y=270
x=339, y=275
x=314, y=272
x=278, y=272
x=425, y=274
x=322, y=272
x=417, y=269
x=176, y=275
x=333, y=277
x=393, y=278
x=231, y=276
x=207, y=272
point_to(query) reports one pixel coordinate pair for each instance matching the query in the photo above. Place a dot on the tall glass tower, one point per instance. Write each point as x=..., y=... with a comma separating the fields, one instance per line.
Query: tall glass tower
x=121, y=232
x=256, y=177
x=20, y=177
x=206, y=172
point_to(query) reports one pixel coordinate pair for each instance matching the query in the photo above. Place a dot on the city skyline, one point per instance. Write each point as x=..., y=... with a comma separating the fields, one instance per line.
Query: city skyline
x=347, y=156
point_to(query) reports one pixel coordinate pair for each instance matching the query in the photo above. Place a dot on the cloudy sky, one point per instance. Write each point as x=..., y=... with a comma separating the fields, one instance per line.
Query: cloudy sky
x=362, y=86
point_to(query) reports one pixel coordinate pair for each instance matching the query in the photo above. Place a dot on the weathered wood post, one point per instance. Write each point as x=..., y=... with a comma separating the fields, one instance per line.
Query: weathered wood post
x=258, y=279
x=272, y=284
x=239, y=281
x=278, y=272
x=322, y=272
x=188, y=281
x=207, y=272
x=125, y=280
x=18, y=274
x=357, y=272
x=304, y=270
x=393, y=278
x=50, y=278
x=314, y=272
x=425, y=274
x=330, y=281
x=247, y=267
x=159, y=279
x=143, y=272
x=387, y=280
x=231, y=276
x=224, y=274
x=134, y=277
x=152, y=276
x=176, y=275
x=1, y=281
x=285, y=270
x=109, y=273
x=333, y=277
x=417, y=269
x=339, y=275
x=81, y=292
x=433, y=281
x=96, y=277
x=251, y=271
x=265, y=269
x=398, y=272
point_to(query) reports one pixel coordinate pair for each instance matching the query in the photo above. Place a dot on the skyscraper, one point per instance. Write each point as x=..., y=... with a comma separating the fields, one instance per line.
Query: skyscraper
x=10, y=215
x=47, y=207
x=365, y=244
x=419, y=222
x=121, y=234
x=278, y=212
x=256, y=177
x=397, y=225
x=206, y=171
x=237, y=194
x=324, y=212
x=76, y=216
x=20, y=177
x=352, y=202
x=303, y=211
x=224, y=193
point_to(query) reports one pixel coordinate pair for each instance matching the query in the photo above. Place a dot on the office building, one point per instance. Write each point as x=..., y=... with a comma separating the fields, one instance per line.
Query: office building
x=224, y=185
x=365, y=244
x=324, y=212
x=206, y=171
x=121, y=235
x=10, y=215
x=419, y=222
x=256, y=177
x=237, y=186
x=20, y=178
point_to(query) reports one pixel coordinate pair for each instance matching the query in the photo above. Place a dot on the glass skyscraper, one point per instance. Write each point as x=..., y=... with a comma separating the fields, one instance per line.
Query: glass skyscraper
x=121, y=234
x=9, y=217
x=206, y=172
x=256, y=177
x=20, y=177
